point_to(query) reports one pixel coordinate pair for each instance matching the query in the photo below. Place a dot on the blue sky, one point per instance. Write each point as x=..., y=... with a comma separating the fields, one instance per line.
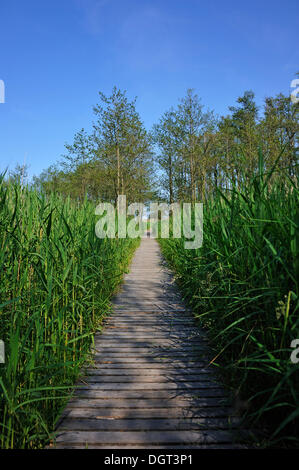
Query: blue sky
x=56, y=55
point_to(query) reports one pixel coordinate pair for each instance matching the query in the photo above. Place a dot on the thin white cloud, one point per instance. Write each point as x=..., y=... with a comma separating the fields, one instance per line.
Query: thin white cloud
x=147, y=38
x=93, y=12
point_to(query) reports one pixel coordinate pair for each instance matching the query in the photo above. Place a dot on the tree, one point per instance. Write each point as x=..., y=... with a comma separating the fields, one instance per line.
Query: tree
x=279, y=129
x=165, y=135
x=76, y=163
x=246, y=137
x=121, y=142
x=193, y=122
x=184, y=137
x=20, y=174
x=116, y=158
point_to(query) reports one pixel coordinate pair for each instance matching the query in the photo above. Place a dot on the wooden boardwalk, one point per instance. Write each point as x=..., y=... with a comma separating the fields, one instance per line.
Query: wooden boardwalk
x=151, y=386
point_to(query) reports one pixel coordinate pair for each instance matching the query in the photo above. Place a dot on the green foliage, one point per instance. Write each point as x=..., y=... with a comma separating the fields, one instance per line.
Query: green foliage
x=243, y=287
x=199, y=153
x=56, y=279
x=116, y=158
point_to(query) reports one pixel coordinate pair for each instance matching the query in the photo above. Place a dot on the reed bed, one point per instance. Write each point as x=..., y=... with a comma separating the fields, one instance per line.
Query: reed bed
x=56, y=280
x=243, y=287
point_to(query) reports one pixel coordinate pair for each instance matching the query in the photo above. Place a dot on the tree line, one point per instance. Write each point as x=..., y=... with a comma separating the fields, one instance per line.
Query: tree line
x=187, y=155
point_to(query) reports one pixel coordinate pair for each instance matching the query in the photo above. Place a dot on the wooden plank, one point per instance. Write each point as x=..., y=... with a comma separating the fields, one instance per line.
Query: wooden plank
x=150, y=317
x=120, y=386
x=175, y=401
x=152, y=351
x=167, y=372
x=147, y=303
x=141, y=379
x=147, y=360
x=148, y=341
x=94, y=392
x=172, y=329
x=157, y=355
x=142, y=352
x=148, y=336
x=158, y=345
x=153, y=313
x=120, y=323
x=155, y=447
x=124, y=349
x=150, y=321
x=149, y=309
x=143, y=437
x=149, y=365
x=112, y=424
x=148, y=413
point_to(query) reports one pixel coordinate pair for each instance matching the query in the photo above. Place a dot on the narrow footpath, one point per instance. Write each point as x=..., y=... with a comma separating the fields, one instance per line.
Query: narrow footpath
x=151, y=385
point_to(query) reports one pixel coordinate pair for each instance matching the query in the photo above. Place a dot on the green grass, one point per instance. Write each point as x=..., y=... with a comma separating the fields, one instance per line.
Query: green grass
x=243, y=287
x=56, y=280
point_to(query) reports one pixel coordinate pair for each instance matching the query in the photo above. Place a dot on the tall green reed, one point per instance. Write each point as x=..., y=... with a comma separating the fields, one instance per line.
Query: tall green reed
x=243, y=287
x=56, y=280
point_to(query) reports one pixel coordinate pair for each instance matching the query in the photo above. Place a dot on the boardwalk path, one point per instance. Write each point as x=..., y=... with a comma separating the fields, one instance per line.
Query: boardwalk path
x=150, y=386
